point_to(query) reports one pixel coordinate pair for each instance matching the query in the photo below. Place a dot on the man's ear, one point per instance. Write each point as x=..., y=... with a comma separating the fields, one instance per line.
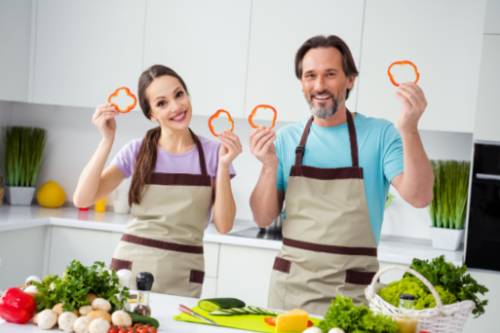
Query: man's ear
x=350, y=81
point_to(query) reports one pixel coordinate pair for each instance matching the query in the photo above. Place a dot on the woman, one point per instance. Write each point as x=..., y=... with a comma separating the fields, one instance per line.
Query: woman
x=178, y=178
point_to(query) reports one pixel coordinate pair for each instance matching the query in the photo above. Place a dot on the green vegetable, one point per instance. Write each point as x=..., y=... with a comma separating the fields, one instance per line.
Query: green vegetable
x=342, y=313
x=76, y=283
x=248, y=310
x=140, y=319
x=213, y=304
x=449, y=203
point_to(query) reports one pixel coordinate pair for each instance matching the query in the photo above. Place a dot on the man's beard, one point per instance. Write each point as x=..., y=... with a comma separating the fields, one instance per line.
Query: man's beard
x=324, y=112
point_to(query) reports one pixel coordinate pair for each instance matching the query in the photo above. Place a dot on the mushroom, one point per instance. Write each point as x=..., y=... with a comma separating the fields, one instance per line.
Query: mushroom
x=30, y=279
x=336, y=330
x=99, y=326
x=94, y=314
x=31, y=289
x=121, y=318
x=101, y=304
x=124, y=276
x=81, y=324
x=58, y=308
x=84, y=310
x=66, y=321
x=46, y=319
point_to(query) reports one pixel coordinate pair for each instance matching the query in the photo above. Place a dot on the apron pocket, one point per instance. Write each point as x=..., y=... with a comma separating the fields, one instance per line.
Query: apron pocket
x=117, y=264
x=196, y=276
x=282, y=265
x=358, y=277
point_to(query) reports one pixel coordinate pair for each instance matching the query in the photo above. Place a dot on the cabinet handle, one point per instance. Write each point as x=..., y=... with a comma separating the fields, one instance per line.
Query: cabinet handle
x=487, y=176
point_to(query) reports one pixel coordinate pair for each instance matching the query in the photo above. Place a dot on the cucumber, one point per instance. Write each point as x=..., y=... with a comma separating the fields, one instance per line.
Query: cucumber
x=140, y=319
x=248, y=310
x=214, y=304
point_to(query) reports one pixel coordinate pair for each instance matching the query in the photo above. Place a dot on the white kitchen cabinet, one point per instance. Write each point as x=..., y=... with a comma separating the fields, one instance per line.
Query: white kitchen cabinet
x=492, y=20
x=278, y=29
x=86, y=49
x=206, y=43
x=487, y=120
x=21, y=255
x=15, y=30
x=245, y=273
x=443, y=38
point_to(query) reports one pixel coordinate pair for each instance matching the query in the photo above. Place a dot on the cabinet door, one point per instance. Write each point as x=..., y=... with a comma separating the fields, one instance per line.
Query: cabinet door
x=488, y=109
x=244, y=273
x=86, y=49
x=15, y=30
x=443, y=38
x=206, y=43
x=278, y=29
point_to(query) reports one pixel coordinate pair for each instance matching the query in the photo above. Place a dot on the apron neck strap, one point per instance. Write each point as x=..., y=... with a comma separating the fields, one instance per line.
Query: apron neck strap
x=299, y=151
x=203, y=165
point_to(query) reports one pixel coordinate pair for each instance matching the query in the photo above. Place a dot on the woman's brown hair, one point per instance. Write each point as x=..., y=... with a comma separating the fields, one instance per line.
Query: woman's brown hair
x=146, y=158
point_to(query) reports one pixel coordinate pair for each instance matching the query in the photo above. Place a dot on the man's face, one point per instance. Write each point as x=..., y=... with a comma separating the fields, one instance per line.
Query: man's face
x=323, y=81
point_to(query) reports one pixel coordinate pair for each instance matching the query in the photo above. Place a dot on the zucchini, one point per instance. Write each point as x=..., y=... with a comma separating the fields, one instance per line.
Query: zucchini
x=140, y=319
x=214, y=304
x=248, y=310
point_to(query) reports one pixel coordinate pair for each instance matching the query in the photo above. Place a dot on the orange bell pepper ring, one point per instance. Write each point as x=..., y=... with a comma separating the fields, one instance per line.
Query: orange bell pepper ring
x=217, y=115
x=129, y=107
x=402, y=62
x=262, y=106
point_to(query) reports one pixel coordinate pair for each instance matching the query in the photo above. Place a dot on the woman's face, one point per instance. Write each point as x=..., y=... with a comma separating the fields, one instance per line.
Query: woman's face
x=169, y=102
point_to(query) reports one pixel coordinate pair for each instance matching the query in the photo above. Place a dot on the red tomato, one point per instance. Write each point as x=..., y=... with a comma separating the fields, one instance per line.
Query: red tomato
x=270, y=321
x=310, y=323
x=113, y=329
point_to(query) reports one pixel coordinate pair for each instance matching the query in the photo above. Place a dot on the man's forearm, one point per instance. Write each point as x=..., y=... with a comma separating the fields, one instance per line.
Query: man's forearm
x=418, y=179
x=265, y=201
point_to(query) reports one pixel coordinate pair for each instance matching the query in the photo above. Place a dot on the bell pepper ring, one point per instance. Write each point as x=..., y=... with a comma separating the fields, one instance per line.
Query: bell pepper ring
x=402, y=62
x=262, y=106
x=130, y=106
x=217, y=115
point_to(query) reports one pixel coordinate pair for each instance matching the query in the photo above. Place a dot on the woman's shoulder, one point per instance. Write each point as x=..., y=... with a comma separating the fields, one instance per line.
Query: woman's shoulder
x=209, y=145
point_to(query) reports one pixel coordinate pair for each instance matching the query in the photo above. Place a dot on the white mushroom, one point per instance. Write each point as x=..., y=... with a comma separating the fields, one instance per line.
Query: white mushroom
x=101, y=304
x=31, y=289
x=124, y=276
x=312, y=329
x=81, y=324
x=121, y=318
x=46, y=319
x=66, y=321
x=58, y=308
x=30, y=279
x=85, y=310
x=336, y=330
x=99, y=326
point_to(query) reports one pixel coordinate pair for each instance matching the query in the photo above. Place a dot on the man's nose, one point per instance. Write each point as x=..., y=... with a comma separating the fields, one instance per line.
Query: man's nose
x=319, y=84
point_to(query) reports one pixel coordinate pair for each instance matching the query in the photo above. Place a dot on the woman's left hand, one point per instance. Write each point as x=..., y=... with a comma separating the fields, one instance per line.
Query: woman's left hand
x=230, y=148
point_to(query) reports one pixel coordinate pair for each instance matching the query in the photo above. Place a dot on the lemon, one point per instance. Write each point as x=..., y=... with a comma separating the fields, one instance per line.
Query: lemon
x=50, y=195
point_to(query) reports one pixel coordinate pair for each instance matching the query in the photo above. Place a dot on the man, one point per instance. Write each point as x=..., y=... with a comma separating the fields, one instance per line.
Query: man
x=332, y=174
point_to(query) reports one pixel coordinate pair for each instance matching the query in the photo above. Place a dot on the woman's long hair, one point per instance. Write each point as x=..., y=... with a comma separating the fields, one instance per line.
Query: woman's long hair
x=146, y=158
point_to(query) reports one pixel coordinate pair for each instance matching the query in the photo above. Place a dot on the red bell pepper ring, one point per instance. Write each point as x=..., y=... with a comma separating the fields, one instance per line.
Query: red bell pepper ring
x=16, y=306
x=262, y=106
x=402, y=62
x=129, y=107
x=217, y=115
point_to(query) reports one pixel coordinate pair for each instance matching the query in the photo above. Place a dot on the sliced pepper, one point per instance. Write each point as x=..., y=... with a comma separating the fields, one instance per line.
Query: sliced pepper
x=217, y=115
x=402, y=62
x=271, y=321
x=262, y=106
x=130, y=106
x=16, y=306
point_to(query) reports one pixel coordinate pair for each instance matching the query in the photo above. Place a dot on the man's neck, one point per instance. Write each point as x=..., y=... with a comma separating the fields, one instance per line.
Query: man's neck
x=338, y=118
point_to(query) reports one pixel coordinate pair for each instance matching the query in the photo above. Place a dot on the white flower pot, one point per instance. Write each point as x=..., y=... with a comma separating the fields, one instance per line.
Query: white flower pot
x=19, y=196
x=446, y=239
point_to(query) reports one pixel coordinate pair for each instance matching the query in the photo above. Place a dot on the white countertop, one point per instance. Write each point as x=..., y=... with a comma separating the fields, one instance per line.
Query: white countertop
x=163, y=308
x=391, y=249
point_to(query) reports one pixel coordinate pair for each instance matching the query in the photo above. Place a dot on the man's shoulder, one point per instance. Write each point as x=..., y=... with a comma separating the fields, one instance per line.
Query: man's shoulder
x=373, y=122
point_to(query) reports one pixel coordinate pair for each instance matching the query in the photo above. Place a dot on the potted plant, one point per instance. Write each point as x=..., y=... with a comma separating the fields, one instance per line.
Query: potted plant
x=24, y=148
x=448, y=207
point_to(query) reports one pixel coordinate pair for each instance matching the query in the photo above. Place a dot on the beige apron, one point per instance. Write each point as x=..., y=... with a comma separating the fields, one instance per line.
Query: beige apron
x=166, y=235
x=328, y=245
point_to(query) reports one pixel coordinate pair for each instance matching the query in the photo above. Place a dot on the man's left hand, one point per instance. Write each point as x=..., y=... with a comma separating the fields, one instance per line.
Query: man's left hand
x=414, y=104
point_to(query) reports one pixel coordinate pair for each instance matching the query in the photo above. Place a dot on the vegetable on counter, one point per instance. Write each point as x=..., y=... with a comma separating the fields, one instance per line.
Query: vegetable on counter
x=16, y=306
x=214, y=304
x=247, y=310
x=343, y=314
x=452, y=283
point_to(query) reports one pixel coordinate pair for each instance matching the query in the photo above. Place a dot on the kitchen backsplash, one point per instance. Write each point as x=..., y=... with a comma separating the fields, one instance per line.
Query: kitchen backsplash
x=72, y=139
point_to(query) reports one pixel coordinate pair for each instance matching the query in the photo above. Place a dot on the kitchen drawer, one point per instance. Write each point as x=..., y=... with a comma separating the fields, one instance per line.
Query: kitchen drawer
x=211, y=260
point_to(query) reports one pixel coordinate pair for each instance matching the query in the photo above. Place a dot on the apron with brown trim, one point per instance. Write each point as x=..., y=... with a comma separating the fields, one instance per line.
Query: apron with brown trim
x=328, y=244
x=166, y=235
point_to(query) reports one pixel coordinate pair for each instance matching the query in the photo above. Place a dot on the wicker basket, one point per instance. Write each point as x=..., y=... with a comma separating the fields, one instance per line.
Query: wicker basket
x=449, y=318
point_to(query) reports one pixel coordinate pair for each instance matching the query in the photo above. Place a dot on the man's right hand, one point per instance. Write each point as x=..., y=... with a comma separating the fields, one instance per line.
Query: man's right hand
x=262, y=146
x=104, y=120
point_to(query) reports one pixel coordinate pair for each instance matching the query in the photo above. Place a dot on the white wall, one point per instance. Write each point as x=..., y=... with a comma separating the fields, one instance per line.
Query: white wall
x=5, y=118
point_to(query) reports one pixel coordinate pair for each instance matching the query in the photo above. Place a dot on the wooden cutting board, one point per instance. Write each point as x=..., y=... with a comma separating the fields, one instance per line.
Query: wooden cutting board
x=253, y=323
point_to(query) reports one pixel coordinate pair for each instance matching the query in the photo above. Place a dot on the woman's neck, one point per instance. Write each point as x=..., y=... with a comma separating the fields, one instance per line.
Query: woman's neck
x=175, y=141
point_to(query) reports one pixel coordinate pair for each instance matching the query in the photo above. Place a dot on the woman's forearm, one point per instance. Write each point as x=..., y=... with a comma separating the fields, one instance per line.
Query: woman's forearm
x=224, y=205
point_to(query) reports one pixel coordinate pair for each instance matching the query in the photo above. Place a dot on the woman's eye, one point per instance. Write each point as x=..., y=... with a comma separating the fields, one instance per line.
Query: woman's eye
x=179, y=94
x=161, y=104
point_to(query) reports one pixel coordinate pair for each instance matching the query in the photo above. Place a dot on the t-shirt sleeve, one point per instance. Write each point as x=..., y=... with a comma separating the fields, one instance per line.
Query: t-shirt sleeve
x=392, y=153
x=125, y=158
x=280, y=179
x=212, y=150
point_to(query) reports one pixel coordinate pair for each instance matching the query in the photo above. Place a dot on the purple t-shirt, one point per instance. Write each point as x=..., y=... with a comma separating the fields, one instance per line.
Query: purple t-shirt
x=187, y=162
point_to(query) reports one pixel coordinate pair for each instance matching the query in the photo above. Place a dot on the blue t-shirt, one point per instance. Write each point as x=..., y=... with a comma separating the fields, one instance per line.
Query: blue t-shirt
x=380, y=155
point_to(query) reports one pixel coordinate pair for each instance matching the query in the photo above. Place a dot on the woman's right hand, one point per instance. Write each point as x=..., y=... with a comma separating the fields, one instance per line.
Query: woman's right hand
x=262, y=146
x=104, y=120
